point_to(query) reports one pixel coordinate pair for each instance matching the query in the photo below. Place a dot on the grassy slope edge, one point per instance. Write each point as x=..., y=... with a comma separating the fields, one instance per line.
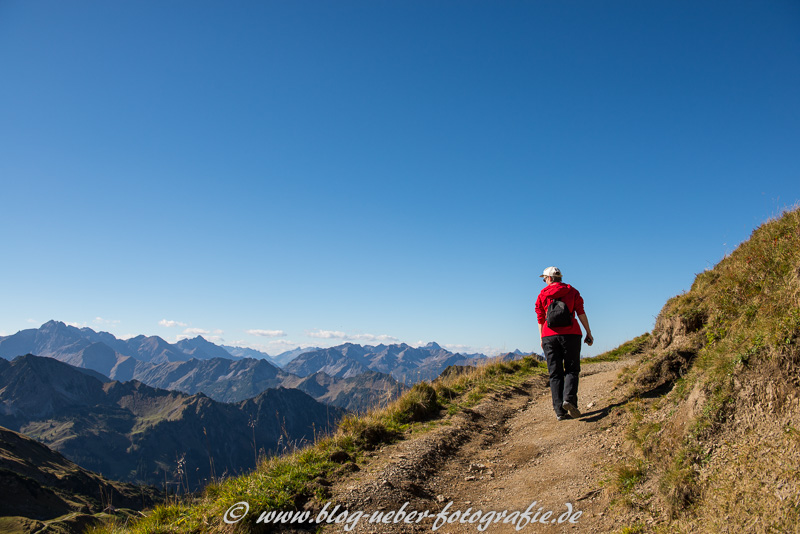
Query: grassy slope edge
x=713, y=402
x=299, y=480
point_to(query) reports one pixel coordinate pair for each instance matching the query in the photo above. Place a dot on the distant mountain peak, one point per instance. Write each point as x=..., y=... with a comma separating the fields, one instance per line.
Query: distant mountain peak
x=52, y=326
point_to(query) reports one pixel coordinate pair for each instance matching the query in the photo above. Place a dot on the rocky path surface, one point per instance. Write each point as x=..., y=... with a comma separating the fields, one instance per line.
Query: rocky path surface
x=508, y=454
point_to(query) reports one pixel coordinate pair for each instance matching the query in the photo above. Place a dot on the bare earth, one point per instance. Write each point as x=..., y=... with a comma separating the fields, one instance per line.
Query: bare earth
x=504, y=455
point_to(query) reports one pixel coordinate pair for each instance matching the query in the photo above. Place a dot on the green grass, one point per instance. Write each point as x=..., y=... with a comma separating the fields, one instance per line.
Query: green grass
x=629, y=348
x=289, y=481
x=638, y=528
x=627, y=475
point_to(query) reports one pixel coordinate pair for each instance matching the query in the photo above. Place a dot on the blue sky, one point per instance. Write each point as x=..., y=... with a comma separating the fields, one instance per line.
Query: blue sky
x=275, y=173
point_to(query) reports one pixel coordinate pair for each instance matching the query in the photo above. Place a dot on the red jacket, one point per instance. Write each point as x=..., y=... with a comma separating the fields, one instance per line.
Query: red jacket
x=569, y=296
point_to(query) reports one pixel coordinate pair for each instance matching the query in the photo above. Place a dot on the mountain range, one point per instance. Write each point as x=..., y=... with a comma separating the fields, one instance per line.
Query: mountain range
x=233, y=374
x=190, y=365
x=133, y=432
x=403, y=362
x=101, y=351
x=228, y=380
x=279, y=360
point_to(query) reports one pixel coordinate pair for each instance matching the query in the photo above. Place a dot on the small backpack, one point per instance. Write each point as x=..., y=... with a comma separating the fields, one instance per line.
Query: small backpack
x=558, y=314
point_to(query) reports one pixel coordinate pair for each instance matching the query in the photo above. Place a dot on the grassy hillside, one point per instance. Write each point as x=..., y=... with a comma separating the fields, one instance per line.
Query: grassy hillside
x=714, y=401
x=40, y=489
x=299, y=479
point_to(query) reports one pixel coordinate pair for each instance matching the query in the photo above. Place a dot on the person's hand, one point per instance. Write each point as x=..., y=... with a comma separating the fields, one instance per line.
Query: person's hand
x=589, y=339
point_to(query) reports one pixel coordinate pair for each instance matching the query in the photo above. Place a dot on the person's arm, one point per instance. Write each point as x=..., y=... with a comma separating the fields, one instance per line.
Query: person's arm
x=541, y=340
x=585, y=322
x=540, y=315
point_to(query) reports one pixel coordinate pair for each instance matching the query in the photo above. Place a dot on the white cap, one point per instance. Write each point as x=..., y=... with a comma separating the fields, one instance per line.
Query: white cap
x=551, y=271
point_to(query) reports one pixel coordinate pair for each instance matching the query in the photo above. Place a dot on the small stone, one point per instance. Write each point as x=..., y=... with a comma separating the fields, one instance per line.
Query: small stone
x=441, y=498
x=591, y=404
x=471, y=477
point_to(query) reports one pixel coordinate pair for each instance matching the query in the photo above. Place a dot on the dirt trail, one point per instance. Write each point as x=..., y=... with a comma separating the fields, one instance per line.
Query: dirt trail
x=503, y=455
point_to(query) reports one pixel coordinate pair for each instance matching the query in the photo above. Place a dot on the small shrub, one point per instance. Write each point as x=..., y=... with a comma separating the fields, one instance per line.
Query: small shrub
x=445, y=393
x=420, y=403
x=626, y=475
x=679, y=487
x=367, y=433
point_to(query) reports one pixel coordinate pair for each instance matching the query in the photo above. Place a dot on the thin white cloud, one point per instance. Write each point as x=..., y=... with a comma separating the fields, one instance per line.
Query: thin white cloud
x=196, y=331
x=335, y=334
x=126, y=336
x=383, y=338
x=458, y=348
x=76, y=325
x=283, y=343
x=328, y=334
x=32, y=321
x=100, y=320
x=266, y=333
x=489, y=351
x=170, y=324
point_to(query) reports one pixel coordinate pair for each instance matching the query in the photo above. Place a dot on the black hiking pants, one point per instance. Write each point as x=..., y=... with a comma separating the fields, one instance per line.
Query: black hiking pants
x=563, y=355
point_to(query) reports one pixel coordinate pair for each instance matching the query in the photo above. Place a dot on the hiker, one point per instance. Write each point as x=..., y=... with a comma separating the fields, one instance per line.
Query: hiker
x=556, y=307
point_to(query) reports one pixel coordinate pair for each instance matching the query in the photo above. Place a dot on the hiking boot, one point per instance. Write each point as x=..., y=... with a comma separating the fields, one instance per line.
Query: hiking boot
x=565, y=417
x=571, y=409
